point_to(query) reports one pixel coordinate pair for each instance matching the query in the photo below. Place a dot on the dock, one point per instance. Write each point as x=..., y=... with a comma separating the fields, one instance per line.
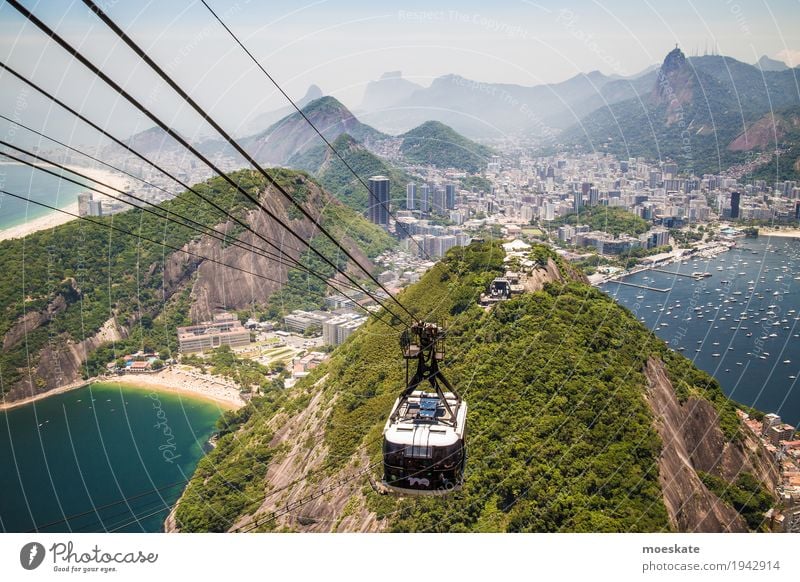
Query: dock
x=675, y=273
x=647, y=287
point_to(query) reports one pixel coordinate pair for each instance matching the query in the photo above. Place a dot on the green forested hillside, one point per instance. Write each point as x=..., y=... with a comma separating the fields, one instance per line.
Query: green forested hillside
x=71, y=279
x=437, y=144
x=335, y=177
x=560, y=437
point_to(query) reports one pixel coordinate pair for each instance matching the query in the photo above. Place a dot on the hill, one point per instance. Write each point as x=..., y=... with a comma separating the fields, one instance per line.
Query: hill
x=438, y=145
x=776, y=131
x=694, y=109
x=580, y=419
x=612, y=220
x=767, y=64
x=292, y=136
x=264, y=120
x=337, y=179
x=85, y=294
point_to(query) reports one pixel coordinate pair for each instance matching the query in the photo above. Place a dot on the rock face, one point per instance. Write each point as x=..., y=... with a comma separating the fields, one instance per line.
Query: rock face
x=693, y=441
x=218, y=288
x=214, y=287
x=60, y=362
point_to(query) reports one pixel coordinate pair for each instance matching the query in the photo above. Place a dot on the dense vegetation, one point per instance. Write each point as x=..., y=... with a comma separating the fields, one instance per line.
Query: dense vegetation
x=335, y=177
x=80, y=274
x=476, y=183
x=434, y=143
x=610, y=219
x=561, y=438
x=746, y=495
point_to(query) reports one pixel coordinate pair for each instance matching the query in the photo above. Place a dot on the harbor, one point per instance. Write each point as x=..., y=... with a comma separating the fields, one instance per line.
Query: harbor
x=741, y=324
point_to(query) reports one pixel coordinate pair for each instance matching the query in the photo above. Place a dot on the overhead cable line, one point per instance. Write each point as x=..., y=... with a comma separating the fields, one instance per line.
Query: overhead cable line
x=116, y=87
x=227, y=137
x=283, y=260
x=282, y=249
x=39, y=528
x=144, y=238
x=328, y=143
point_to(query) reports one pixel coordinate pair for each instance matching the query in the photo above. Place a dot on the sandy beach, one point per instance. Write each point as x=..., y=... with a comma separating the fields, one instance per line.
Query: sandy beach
x=784, y=232
x=55, y=218
x=178, y=379
x=184, y=381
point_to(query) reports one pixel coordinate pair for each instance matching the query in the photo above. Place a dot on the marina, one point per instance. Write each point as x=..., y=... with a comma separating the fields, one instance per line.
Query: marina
x=740, y=324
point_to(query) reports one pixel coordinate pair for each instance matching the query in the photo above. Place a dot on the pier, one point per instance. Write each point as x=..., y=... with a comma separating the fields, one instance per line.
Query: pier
x=648, y=288
x=674, y=273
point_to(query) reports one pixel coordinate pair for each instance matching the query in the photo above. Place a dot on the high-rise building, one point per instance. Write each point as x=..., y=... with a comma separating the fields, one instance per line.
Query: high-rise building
x=450, y=196
x=425, y=198
x=735, y=199
x=577, y=200
x=411, y=196
x=378, y=207
x=594, y=196
x=438, y=200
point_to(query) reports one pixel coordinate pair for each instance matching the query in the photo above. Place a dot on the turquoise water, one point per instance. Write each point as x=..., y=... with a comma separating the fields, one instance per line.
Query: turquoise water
x=36, y=185
x=83, y=451
x=741, y=324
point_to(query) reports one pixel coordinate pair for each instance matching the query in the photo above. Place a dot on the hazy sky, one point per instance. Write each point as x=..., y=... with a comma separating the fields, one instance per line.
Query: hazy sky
x=341, y=45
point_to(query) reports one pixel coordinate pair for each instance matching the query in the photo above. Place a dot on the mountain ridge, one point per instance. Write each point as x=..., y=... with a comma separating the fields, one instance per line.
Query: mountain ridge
x=562, y=436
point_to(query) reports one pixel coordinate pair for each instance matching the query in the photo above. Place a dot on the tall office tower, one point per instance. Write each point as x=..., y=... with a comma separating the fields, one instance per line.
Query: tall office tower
x=425, y=198
x=577, y=201
x=594, y=196
x=438, y=200
x=411, y=196
x=378, y=208
x=450, y=196
x=735, y=199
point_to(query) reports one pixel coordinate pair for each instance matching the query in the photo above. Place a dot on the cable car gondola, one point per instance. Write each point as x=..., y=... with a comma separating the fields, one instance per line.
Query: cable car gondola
x=424, y=446
x=499, y=290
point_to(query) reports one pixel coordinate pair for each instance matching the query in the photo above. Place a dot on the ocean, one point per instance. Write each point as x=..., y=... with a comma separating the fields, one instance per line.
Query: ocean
x=103, y=457
x=741, y=324
x=38, y=186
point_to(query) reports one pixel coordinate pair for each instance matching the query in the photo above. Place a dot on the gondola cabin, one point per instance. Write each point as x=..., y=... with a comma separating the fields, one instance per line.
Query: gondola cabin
x=423, y=447
x=499, y=290
x=424, y=440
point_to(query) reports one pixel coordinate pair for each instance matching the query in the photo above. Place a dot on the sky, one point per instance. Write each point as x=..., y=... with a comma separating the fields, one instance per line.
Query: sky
x=342, y=45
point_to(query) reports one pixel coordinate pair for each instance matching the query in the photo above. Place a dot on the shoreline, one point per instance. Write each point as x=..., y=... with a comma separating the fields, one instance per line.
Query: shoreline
x=784, y=233
x=54, y=218
x=225, y=395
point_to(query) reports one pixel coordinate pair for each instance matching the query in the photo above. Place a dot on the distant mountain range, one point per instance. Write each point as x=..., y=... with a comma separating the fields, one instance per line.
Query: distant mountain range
x=697, y=111
x=693, y=113
x=490, y=110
